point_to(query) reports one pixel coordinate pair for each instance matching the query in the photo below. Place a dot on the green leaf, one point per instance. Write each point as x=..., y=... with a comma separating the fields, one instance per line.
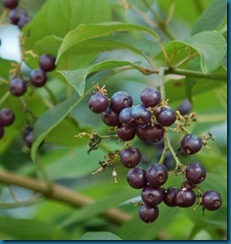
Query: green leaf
x=100, y=235
x=212, y=48
x=26, y=229
x=210, y=45
x=99, y=206
x=47, y=121
x=86, y=32
x=77, y=78
x=212, y=17
x=79, y=164
x=71, y=12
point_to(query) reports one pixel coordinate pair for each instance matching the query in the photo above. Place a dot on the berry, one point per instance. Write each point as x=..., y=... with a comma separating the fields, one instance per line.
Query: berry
x=157, y=175
x=23, y=20
x=169, y=161
x=152, y=196
x=136, y=178
x=28, y=139
x=47, y=62
x=120, y=100
x=185, y=198
x=185, y=107
x=110, y=118
x=98, y=102
x=154, y=133
x=140, y=114
x=130, y=157
x=195, y=173
x=126, y=133
x=126, y=118
x=148, y=214
x=170, y=196
x=10, y=4
x=166, y=116
x=6, y=117
x=27, y=135
x=191, y=144
x=211, y=200
x=17, y=87
x=38, y=77
x=1, y=131
x=150, y=97
x=140, y=132
x=16, y=14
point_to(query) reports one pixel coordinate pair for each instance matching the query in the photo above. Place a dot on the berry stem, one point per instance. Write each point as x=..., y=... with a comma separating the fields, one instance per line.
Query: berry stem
x=4, y=15
x=169, y=146
x=161, y=82
x=164, y=152
x=4, y=81
x=2, y=100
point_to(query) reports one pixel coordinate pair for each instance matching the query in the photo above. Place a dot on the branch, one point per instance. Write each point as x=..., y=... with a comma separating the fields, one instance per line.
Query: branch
x=62, y=194
x=198, y=74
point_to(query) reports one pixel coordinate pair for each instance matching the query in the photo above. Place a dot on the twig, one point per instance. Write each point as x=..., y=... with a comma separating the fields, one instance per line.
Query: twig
x=62, y=194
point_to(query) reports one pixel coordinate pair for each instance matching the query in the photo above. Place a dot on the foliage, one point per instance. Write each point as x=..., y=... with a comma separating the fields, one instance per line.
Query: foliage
x=120, y=44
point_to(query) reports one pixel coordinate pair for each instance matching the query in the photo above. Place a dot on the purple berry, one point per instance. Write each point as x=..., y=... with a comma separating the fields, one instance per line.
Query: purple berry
x=10, y=4
x=136, y=178
x=47, y=62
x=98, y=102
x=17, y=87
x=211, y=200
x=126, y=133
x=157, y=175
x=170, y=196
x=150, y=97
x=148, y=214
x=185, y=198
x=126, y=118
x=152, y=196
x=15, y=15
x=110, y=118
x=28, y=139
x=141, y=115
x=130, y=157
x=120, y=100
x=191, y=144
x=166, y=116
x=195, y=173
x=185, y=107
x=6, y=117
x=154, y=133
x=38, y=77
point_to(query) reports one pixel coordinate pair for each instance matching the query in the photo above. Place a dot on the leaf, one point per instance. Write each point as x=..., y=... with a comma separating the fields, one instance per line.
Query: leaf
x=99, y=206
x=77, y=78
x=86, y=32
x=212, y=17
x=77, y=164
x=100, y=235
x=212, y=48
x=47, y=121
x=26, y=229
x=71, y=12
x=210, y=45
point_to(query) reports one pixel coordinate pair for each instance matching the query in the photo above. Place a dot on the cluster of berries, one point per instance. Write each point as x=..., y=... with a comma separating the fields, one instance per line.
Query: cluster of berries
x=16, y=15
x=18, y=87
x=38, y=76
x=152, y=194
x=148, y=121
